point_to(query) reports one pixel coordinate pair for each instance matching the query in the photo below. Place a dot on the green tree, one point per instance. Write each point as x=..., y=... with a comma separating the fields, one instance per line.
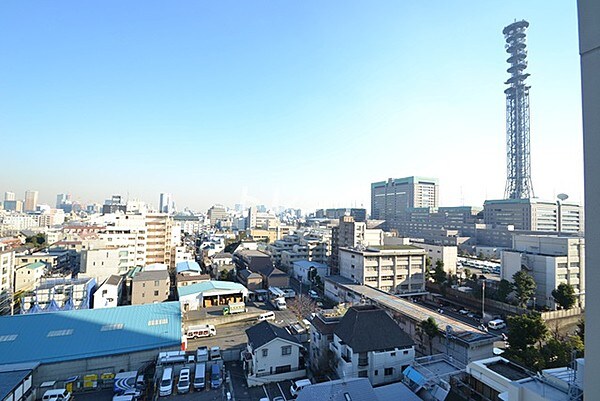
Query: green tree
x=524, y=333
x=564, y=295
x=430, y=328
x=467, y=273
x=505, y=287
x=224, y=275
x=557, y=352
x=526, y=330
x=524, y=287
x=439, y=275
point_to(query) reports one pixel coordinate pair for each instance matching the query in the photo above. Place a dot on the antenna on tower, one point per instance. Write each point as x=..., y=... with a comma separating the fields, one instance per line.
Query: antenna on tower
x=518, y=166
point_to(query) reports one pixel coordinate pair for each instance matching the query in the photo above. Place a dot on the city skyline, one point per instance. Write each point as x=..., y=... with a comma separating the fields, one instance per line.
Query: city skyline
x=221, y=108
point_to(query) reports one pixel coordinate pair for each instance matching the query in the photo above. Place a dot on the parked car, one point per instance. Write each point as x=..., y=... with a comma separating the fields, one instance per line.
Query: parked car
x=464, y=312
x=313, y=294
x=266, y=316
x=202, y=354
x=497, y=324
x=215, y=353
x=166, y=382
x=59, y=394
x=183, y=385
x=299, y=385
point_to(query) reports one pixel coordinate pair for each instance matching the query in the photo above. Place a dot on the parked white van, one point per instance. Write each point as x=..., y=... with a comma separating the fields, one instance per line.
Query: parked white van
x=299, y=385
x=496, y=324
x=266, y=316
x=200, y=376
x=59, y=394
x=166, y=383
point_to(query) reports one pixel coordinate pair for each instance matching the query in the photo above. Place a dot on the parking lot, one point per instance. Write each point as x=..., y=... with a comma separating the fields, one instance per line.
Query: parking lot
x=242, y=392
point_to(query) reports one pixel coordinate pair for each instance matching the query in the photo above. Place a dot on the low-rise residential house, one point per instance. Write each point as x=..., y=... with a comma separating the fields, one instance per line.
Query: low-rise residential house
x=369, y=343
x=28, y=277
x=250, y=280
x=150, y=287
x=274, y=277
x=322, y=326
x=222, y=258
x=254, y=260
x=108, y=295
x=188, y=267
x=306, y=271
x=272, y=355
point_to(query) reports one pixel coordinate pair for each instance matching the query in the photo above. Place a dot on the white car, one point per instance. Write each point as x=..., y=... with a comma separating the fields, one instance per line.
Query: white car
x=313, y=294
x=183, y=385
x=299, y=385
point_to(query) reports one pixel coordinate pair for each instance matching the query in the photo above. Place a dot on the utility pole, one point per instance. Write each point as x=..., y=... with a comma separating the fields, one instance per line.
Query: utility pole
x=483, y=301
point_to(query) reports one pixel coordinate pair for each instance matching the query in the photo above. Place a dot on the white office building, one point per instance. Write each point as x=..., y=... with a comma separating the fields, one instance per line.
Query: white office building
x=551, y=260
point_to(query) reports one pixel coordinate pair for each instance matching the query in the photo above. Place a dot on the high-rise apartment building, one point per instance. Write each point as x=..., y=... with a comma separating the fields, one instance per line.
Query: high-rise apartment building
x=390, y=199
x=62, y=199
x=159, y=239
x=31, y=200
x=165, y=203
x=350, y=233
x=9, y=196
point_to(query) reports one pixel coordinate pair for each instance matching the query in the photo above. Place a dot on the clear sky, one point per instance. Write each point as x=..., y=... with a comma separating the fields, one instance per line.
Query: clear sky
x=297, y=103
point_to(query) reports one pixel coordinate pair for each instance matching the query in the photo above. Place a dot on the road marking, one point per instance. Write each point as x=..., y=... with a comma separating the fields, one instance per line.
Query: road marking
x=265, y=390
x=281, y=391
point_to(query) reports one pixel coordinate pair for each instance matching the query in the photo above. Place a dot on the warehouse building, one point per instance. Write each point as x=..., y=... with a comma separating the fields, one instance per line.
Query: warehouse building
x=91, y=341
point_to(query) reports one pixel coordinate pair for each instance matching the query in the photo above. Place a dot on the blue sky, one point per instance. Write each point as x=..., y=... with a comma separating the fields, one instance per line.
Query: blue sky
x=298, y=103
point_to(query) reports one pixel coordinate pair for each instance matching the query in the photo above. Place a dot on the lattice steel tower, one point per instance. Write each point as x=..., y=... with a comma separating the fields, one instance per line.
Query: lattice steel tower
x=518, y=166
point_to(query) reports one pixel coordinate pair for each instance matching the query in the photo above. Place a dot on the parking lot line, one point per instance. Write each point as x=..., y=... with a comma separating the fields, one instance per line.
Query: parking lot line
x=281, y=391
x=265, y=390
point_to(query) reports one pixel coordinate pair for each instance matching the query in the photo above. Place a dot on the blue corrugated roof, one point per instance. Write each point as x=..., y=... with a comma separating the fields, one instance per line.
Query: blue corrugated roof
x=187, y=266
x=88, y=333
x=209, y=285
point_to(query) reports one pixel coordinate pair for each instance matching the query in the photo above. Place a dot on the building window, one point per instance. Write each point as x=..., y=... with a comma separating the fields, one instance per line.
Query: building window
x=156, y=283
x=363, y=373
x=376, y=372
x=265, y=352
x=156, y=293
x=287, y=350
x=388, y=371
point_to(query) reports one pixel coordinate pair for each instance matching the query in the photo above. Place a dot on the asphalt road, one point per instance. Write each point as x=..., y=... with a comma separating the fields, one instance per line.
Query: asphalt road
x=233, y=335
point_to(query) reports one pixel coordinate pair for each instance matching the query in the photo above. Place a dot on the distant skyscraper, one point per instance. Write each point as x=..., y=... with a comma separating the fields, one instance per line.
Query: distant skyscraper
x=9, y=196
x=31, y=200
x=391, y=198
x=518, y=166
x=62, y=199
x=165, y=203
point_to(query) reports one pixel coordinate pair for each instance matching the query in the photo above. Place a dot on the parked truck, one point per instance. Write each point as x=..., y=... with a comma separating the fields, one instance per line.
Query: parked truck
x=203, y=330
x=234, y=307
